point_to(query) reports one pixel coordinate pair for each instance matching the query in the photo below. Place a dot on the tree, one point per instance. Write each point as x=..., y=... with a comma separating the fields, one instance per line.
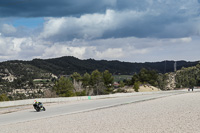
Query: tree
x=86, y=80
x=137, y=86
x=96, y=81
x=77, y=81
x=64, y=87
x=135, y=78
x=121, y=84
x=108, y=78
x=146, y=76
x=187, y=77
x=76, y=76
x=162, y=81
x=192, y=82
x=96, y=77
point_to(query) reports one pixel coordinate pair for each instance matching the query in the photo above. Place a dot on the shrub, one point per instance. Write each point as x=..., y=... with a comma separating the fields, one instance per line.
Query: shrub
x=136, y=86
x=4, y=97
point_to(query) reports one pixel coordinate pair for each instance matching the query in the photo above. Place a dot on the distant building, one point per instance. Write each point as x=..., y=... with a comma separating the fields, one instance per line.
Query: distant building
x=115, y=84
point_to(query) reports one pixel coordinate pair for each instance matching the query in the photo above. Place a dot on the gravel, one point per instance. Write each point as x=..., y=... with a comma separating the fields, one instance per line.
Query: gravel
x=174, y=114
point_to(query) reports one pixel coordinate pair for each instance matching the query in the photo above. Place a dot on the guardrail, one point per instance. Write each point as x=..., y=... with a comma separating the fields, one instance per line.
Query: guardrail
x=68, y=99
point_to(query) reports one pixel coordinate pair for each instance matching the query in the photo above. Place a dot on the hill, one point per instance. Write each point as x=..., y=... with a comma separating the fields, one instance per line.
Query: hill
x=67, y=65
x=36, y=78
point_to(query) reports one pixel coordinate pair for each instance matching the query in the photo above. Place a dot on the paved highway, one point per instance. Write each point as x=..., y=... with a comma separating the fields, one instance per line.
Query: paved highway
x=82, y=106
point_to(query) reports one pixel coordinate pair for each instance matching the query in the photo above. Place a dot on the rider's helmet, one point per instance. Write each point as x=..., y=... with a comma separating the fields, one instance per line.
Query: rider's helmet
x=34, y=102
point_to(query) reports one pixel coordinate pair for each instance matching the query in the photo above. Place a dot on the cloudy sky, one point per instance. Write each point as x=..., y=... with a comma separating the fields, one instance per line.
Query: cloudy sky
x=125, y=30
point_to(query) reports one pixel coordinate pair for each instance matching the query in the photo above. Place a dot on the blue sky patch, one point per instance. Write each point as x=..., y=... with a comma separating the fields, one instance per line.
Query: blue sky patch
x=28, y=22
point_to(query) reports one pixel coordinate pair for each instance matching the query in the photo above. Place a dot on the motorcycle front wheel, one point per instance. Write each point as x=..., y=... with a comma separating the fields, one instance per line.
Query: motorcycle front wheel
x=38, y=109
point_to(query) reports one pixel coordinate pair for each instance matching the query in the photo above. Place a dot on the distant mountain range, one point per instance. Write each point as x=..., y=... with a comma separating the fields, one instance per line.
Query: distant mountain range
x=68, y=64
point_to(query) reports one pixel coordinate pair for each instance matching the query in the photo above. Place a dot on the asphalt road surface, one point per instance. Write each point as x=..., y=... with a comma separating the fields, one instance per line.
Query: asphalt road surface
x=77, y=107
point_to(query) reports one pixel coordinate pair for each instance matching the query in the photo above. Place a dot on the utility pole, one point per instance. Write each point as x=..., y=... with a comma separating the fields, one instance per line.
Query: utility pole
x=175, y=66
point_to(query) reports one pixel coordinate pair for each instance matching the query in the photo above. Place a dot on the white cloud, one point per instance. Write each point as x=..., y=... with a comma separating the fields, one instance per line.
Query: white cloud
x=9, y=47
x=111, y=53
x=143, y=30
x=92, y=26
x=182, y=40
x=8, y=29
x=58, y=50
x=124, y=49
x=157, y=20
x=87, y=26
x=20, y=48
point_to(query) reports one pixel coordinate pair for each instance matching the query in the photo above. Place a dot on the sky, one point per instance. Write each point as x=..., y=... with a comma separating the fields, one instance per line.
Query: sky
x=125, y=30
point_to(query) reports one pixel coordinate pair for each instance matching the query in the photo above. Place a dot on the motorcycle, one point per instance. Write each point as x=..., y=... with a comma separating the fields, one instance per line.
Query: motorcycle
x=39, y=107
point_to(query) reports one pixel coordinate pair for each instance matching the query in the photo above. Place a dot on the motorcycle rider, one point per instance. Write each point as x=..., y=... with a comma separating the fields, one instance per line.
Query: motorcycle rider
x=35, y=103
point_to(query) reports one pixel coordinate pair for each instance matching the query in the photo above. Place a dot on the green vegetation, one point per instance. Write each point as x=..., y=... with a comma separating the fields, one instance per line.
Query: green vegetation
x=3, y=97
x=96, y=84
x=162, y=81
x=64, y=87
x=136, y=86
x=118, y=78
x=146, y=76
x=108, y=79
x=121, y=83
x=96, y=81
x=69, y=65
x=88, y=77
x=76, y=76
x=188, y=77
x=86, y=80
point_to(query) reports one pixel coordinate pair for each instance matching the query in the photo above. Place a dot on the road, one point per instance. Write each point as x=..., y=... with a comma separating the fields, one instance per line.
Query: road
x=77, y=107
